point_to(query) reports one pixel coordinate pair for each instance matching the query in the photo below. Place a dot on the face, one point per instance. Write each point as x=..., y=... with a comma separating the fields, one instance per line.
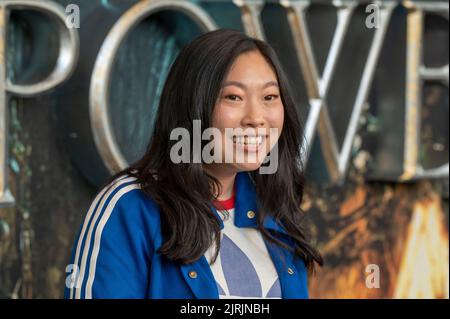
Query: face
x=250, y=104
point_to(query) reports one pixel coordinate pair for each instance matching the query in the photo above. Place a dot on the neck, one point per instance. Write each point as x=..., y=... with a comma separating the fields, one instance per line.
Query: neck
x=225, y=177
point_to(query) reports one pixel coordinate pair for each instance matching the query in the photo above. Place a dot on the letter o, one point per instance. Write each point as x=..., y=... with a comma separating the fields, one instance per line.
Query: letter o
x=100, y=82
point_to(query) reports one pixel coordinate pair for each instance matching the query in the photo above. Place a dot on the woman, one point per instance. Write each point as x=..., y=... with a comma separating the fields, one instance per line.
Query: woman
x=180, y=227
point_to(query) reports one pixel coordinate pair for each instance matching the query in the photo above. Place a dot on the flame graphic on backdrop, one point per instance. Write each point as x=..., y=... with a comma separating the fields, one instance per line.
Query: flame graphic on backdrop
x=424, y=269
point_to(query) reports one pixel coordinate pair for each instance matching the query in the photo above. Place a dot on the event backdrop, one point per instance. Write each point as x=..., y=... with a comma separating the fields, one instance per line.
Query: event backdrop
x=80, y=82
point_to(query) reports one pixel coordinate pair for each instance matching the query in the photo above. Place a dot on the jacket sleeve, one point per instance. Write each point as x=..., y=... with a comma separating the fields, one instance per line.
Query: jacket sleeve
x=112, y=253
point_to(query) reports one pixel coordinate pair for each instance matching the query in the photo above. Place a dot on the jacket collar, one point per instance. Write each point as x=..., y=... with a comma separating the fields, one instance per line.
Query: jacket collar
x=246, y=201
x=204, y=285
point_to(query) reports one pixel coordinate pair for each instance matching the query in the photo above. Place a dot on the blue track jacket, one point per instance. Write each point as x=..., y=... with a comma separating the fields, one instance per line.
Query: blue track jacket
x=115, y=253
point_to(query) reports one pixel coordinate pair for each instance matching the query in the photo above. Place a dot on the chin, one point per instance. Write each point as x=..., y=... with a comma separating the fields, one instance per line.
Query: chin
x=247, y=167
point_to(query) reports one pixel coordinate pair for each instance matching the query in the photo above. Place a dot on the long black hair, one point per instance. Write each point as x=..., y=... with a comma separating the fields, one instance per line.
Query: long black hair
x=184, y=191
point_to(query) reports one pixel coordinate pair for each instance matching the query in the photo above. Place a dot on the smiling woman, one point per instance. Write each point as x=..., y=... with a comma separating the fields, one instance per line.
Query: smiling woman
x=190, y=229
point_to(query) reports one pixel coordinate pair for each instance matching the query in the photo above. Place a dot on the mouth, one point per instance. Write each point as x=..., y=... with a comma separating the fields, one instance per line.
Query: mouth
x=249, y=140
x=248, y=143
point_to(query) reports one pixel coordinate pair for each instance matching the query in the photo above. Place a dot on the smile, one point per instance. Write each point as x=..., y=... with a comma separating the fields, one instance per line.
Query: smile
x=248, y=140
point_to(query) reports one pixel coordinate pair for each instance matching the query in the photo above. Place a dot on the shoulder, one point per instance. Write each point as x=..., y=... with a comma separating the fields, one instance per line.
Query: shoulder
x=116, y=241
x=123, y=202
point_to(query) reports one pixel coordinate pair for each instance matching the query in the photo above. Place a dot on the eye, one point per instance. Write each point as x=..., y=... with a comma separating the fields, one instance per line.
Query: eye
x=271, y=97
x=233, y=97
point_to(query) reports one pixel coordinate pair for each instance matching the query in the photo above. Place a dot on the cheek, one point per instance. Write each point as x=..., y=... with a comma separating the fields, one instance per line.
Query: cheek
x=276, y=118
x=224, y=117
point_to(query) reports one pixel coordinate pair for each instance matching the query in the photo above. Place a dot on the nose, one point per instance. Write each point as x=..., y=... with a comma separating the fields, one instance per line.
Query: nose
x=254, y=115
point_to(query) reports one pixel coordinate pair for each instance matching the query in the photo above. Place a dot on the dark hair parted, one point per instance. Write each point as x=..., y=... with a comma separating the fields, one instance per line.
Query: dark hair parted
x=184, y=191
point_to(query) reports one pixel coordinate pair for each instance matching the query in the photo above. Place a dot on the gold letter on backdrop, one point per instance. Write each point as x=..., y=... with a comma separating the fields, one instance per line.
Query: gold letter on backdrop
x=66, y=60
x=99, y=90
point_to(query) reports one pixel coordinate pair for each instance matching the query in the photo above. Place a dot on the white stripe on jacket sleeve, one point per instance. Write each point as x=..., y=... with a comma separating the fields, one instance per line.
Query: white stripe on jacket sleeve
x=98, y=236
x=76, y=289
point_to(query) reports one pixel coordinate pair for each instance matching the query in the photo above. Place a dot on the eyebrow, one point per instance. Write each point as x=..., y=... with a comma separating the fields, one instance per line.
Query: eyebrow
x=243, y=86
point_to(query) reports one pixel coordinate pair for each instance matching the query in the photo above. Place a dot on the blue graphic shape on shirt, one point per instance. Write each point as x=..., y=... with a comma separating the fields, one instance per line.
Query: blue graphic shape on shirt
x=240, y=275
x=221, y=291
x=275, y=290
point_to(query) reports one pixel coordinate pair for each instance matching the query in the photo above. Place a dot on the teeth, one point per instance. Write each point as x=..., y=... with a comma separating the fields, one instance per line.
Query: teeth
x=248, y=140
